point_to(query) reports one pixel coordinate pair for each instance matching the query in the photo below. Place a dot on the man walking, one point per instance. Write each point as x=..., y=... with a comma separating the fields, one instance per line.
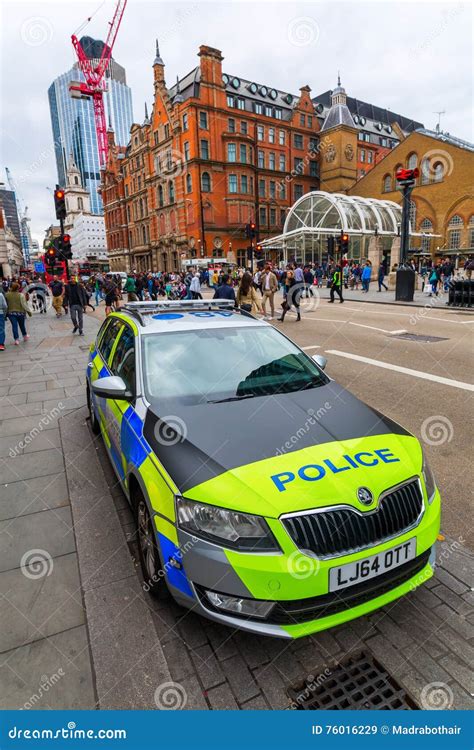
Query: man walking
x=380, y=278
x=57, y=289
x=3, y=315
x=75, y=298
x=336, y=284
x=269, y=287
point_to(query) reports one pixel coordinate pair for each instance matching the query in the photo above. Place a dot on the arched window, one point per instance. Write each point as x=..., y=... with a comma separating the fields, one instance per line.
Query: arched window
x=162, y=224
x=426, y=226
x=455, y=226
x=412, y=161
x=76, y=180
x=438, y=172
x=189, y=183
x=144, y=235
x=80, y=204
x=171, y=191
x=412, y=215
x=387, y=184
x=206, y=182
x=425, y=171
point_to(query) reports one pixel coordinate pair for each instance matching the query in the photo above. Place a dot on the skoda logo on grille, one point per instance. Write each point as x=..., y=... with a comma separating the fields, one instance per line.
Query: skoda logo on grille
x=364, y=496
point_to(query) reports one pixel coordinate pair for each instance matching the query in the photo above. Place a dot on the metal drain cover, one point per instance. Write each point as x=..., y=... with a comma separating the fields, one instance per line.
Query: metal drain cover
x=418, y=337
x=358, y=683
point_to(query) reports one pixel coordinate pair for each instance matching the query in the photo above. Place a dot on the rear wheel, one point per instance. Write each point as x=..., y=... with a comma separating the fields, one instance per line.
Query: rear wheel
x=147, y=548
x=95, y=426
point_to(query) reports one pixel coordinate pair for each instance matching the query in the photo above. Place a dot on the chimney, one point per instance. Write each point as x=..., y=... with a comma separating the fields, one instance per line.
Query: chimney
x=211, y=65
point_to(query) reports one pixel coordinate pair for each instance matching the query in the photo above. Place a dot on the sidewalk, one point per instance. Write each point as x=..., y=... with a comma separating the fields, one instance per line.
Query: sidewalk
x=44, y=651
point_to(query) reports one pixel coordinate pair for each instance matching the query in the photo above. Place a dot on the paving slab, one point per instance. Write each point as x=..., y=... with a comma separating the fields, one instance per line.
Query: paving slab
x=33, y=495
x=50, y=532
x=32, y=465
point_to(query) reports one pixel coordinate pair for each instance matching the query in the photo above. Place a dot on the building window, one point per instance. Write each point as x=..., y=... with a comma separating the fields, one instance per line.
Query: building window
x=313, y=144
x=313, y=169
x=425, y=171
x=273, y=218
x=302, y=120
x=438, y=175
x=186, y=150
x=456, y=221
x=204, y=149
x=232, y=183
x=171, y=192
x=310, y=121
x=261, y=188
x=231, y=125
x=258, y=108
x=384, y=142
x=271, y=135
x=387, y=184
x=298, y=165
x=243, y=127
x=262, y=216
x=240, y=103
x=185, y=121
x=161, y=200
x=230, y=101
x=268, y=111
x=362, y=154
x=167, y=131
x=370, y=157
x=281, y=137
x=471, y=232
x=260, y=133
x=454, y=239
x=298, y=140
x=203, y=120
x=278, y=114
x=231, y=152
x=282, y=216
x=426, y=226
x=243, y=153
x=261, y=159
x=80, y=204
x=272, y=189
x=282, y=188
x=206, y=182
x=271, y=160
x=282, y=162
x=244, y=184
x=412, y=161
x=298, y=191
x=189, y=183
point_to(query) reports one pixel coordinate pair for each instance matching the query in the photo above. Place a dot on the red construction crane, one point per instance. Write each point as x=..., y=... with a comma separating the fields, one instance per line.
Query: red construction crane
x=95, y=85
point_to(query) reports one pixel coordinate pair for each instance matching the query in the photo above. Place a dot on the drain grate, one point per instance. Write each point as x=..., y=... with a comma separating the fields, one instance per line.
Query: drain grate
x=358, y=683
x=418, y=337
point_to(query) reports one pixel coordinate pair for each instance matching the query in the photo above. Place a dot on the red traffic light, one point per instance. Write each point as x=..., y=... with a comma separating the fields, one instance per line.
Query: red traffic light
x=66, y=238
x=51, y=251
x=407, y=174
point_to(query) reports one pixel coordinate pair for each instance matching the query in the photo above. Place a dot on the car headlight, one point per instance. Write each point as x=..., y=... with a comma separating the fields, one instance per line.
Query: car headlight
x=226, y=527
x=430, y=482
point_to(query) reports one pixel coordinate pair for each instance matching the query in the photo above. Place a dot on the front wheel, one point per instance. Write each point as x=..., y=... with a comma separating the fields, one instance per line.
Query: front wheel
x=95, y=426
x=147, y=549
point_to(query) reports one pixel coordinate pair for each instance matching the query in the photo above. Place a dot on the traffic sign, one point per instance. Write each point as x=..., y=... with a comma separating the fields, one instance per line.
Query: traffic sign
x=39, y=266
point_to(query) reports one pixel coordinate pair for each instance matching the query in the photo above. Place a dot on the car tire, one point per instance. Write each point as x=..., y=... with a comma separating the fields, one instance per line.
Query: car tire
x=95, y=426
x=152, y=570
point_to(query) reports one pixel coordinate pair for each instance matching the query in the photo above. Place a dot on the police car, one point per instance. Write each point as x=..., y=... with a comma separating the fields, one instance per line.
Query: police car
x=266, y=496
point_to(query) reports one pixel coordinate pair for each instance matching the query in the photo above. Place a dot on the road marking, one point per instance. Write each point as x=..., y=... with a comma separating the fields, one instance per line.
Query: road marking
x=374, y=328
x=305, y=348
x=397, y=333
x=404, y=370
x=326, y=320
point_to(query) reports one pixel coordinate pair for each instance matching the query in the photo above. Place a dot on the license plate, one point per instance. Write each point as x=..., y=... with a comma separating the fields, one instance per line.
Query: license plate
x=355, y=572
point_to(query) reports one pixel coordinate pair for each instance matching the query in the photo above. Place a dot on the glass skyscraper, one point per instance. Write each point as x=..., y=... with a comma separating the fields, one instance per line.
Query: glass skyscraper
x=74, y=125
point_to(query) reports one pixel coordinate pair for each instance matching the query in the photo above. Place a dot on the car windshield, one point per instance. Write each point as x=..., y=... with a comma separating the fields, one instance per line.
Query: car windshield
x=224, y=364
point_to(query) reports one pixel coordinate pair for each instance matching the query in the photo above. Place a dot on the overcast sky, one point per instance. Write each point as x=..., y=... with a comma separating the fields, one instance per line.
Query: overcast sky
x=412, y=57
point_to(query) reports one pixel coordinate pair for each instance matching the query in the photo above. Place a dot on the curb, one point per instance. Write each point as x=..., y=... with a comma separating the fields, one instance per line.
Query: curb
x=127, y=657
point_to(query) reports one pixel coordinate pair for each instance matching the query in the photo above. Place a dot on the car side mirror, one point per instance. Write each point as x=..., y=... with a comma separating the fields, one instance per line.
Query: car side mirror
x=320, y=360
x=111, y=387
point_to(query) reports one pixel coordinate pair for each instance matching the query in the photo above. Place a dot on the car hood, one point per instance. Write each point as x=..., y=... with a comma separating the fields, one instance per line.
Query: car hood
x=279, y=454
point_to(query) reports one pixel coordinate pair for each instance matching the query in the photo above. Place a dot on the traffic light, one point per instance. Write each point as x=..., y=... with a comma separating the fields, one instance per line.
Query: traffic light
x=344, y=243
x=331, y=245
x=407, y=177
x=251, y=230
x=60, y=203
x=258, y=252
x=50, y=256
x=65, y=246
x=250, y=254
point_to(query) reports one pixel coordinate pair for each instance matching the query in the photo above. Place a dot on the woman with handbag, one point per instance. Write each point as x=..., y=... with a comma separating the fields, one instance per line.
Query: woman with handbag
x=291, y=296
x=247, y=298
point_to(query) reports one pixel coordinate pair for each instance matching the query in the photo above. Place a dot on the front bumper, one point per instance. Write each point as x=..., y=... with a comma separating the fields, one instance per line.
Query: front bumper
x=303, y=602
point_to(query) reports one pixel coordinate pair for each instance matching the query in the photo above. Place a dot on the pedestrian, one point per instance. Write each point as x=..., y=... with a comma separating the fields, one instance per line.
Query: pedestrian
x=225, y=290
x=130, y=288
x=76, y=299
x=98, y=284
x=195, y=287
x=434, y=280
x=57, y=290
x=366, y=276
x=336, y=284
x=380, y=278
x=292, y=295
x=18, y=309
x=3, y=313
x=247, y=297
x=269, y=287
x=110, y=295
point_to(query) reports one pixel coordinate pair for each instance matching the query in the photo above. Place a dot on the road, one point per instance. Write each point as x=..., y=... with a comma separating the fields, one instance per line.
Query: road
x=434, y=401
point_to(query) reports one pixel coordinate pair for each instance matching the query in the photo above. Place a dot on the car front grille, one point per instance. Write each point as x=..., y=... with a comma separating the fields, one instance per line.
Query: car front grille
x=340, y=531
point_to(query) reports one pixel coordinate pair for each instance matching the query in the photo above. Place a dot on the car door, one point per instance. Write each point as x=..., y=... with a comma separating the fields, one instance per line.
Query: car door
x=124, y=442
x=99, y=368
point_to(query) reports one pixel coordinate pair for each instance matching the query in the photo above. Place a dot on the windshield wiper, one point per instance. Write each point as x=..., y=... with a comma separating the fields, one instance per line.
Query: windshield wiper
x=232, y=398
